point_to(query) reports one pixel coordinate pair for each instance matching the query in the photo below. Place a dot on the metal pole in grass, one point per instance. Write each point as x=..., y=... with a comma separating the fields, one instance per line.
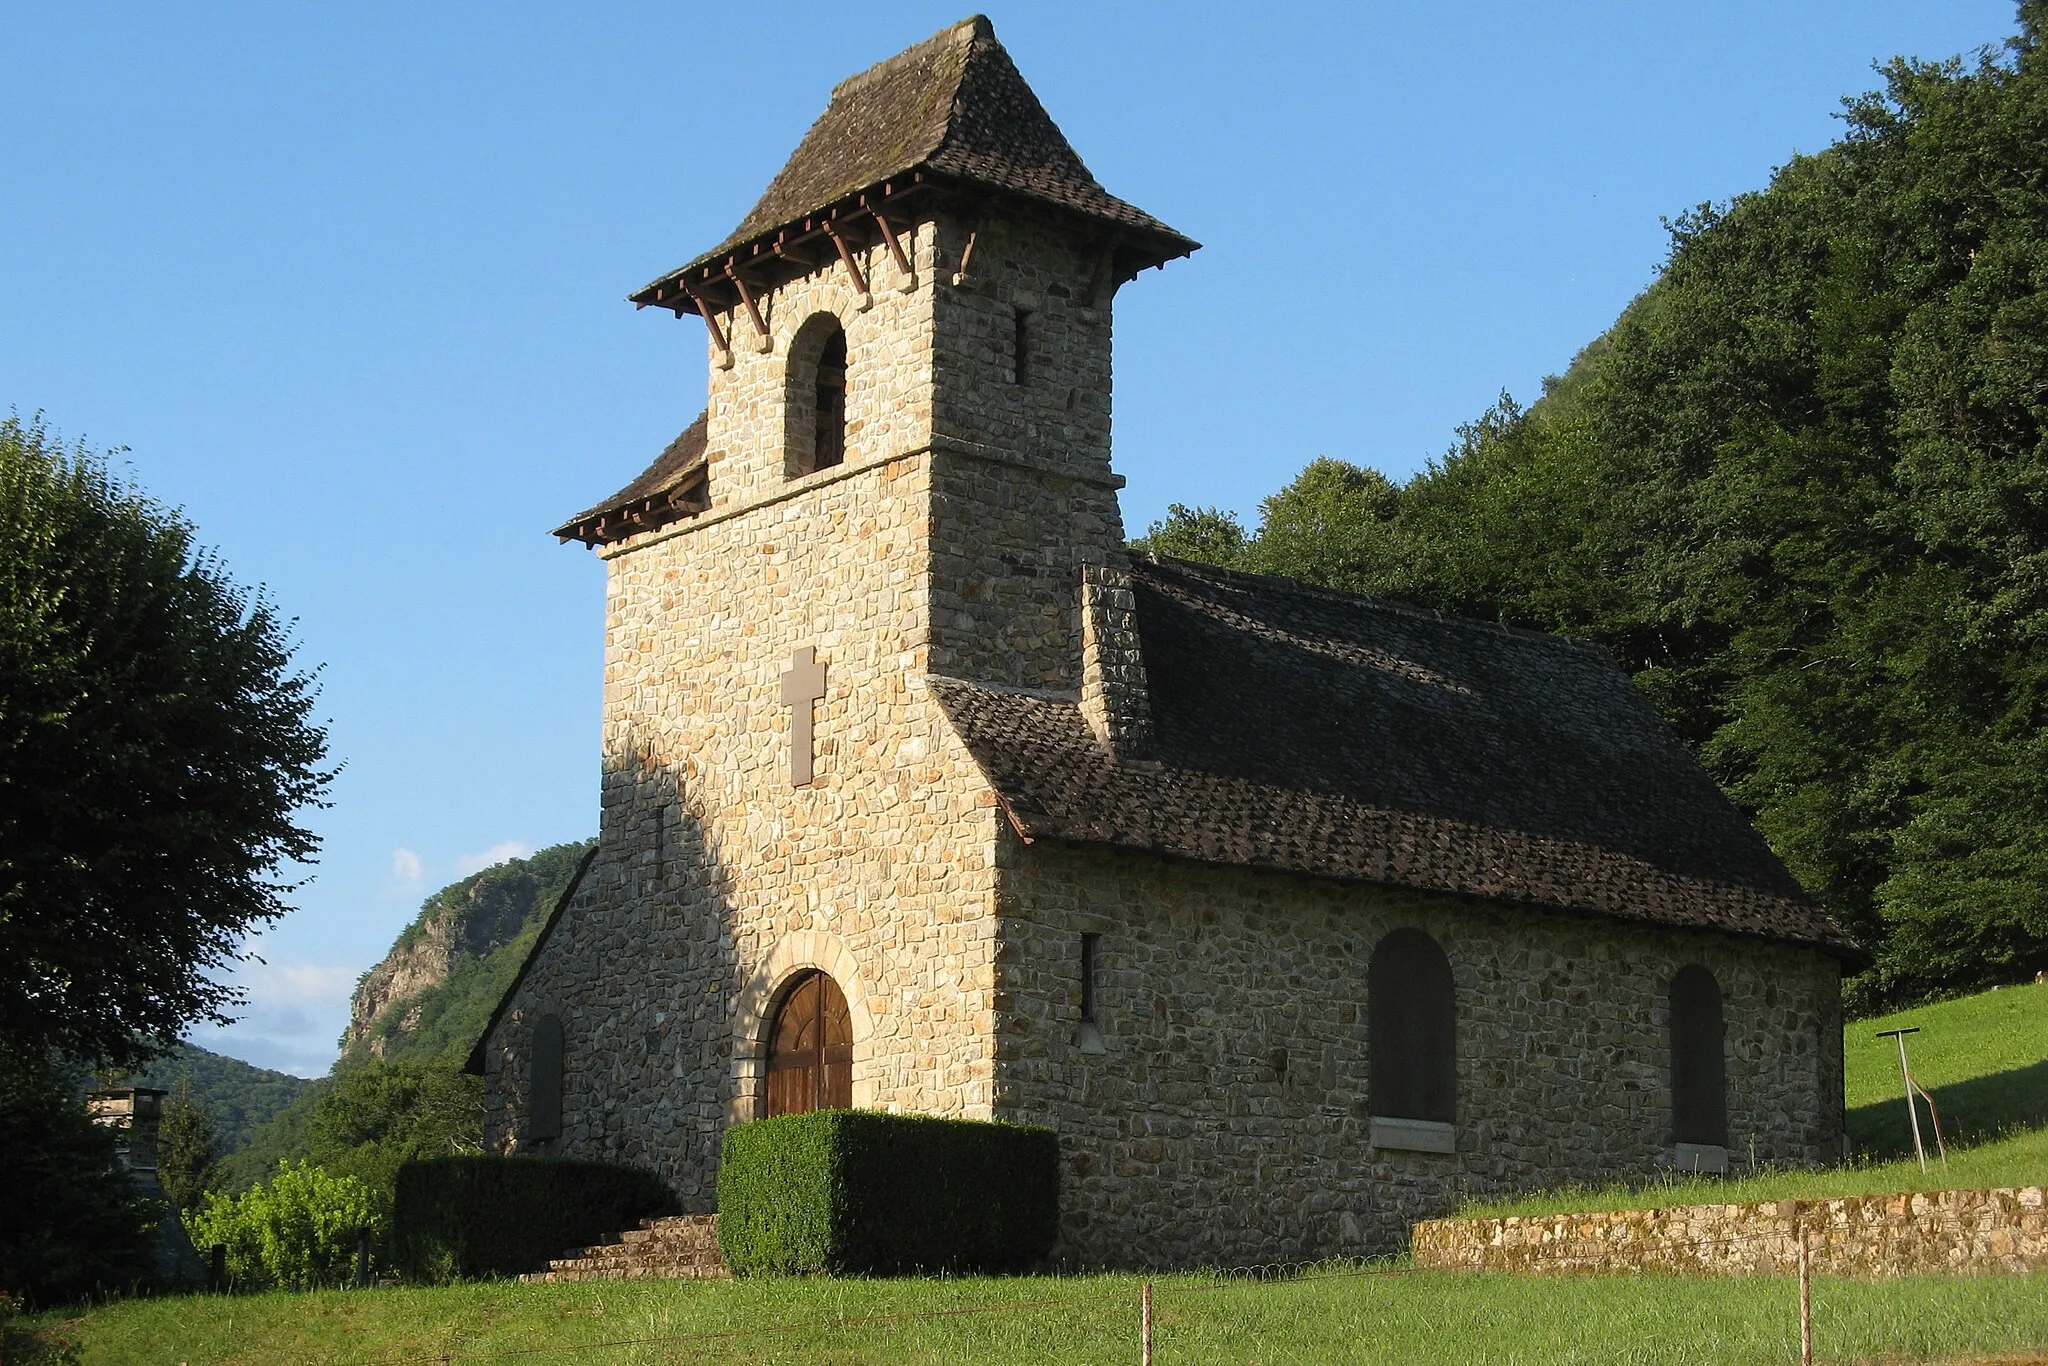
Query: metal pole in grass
x=1912, y=1110
x=1145, y=1325
x=1805, y=1303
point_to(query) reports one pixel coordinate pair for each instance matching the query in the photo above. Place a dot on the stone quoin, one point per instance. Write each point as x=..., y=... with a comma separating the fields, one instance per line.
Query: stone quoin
x=1296, y=914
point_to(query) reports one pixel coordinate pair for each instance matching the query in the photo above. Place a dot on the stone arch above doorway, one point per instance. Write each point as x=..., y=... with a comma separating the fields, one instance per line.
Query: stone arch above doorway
x=799, y=953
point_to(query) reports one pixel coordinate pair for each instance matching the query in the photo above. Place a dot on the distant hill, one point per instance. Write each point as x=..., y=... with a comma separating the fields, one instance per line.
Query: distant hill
x=240, y=1097
x=435, y=990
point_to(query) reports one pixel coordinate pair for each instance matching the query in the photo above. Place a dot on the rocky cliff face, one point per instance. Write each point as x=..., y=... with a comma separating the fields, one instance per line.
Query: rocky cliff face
x=459, y=935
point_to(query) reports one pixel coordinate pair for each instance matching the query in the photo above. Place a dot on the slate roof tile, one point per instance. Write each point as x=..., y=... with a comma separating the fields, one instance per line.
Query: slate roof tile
x=1332, y=734
x=955, y=103
x=679, y=460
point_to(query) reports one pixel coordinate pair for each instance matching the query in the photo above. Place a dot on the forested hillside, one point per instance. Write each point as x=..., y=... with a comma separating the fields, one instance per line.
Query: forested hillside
x=1799, y=490
x=239, y=1098
x=432, y=994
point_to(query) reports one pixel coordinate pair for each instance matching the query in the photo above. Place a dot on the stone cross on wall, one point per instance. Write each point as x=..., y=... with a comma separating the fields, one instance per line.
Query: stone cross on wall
x=803, y=684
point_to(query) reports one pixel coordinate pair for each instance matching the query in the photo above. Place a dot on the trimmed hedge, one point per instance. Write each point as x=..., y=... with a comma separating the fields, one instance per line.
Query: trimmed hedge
x=857, y=1192
x=472, y=1217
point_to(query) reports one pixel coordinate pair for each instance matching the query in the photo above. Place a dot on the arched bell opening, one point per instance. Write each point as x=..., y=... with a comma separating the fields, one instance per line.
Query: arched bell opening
x=814, y=398
x=810, y=1049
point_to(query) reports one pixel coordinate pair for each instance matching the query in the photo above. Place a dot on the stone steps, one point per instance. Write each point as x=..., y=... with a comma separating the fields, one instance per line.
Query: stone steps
x=681, y=1247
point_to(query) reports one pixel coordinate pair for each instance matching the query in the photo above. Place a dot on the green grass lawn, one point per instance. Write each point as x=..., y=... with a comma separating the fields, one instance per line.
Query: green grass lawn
x=1984, y=1057
x=2021, y=1160
x=1434, y=1317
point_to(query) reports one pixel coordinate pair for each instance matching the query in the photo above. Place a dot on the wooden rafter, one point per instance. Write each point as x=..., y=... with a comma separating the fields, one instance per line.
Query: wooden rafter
x=895, y=249
x=860, y=282
x=845, y=223
x=704, y=310
x=747, y=298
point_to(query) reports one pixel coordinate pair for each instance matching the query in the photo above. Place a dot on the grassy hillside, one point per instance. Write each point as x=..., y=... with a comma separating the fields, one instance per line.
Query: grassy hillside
x=241, y=1098
x=1340, y=1315
x=1983, y=1057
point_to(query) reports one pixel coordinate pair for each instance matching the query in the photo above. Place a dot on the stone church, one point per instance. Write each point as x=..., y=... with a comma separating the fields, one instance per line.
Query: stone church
x=1297, y=914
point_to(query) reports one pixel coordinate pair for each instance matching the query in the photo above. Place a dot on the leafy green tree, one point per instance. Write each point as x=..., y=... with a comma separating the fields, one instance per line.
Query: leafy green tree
x=155, y=747
x=71, y=1221
x=298, y=1230
x=186, y=1163
x=1209, y=535
x=1800, y=491
x=1334, y=526
x=377, y=1115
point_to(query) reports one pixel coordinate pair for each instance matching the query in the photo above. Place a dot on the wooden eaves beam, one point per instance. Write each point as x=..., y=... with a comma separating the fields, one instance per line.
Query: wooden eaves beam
x=747, y=298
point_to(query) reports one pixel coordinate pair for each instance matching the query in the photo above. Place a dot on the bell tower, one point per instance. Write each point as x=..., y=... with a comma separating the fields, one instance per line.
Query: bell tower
x=901, y=478
x=930, y=275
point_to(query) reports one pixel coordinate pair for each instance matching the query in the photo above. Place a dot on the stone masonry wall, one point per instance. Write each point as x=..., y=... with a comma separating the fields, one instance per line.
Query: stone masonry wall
x=717, y=880
x=1226, y=1122
x=1022, y=495
x=1937, y=1232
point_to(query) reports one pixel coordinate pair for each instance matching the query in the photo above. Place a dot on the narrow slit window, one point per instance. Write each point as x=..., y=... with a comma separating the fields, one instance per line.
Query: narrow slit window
x=1020, y=349
x=1088, y=1010
x=544, y=1082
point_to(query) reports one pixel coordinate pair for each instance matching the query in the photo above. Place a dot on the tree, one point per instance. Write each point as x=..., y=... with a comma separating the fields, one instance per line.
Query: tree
x=1799, y=490
x=71, y=1221
x=185, y=1157
x=155, y=747
x=1335, y=525
x=376, y=1115
x=1209, y=535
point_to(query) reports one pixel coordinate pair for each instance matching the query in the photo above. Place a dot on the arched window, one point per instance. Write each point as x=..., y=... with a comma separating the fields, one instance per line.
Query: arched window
x=814, y=432
x=544, y=1082
x=1699, y=1077
x=810, y=1049
x=1411, y=1016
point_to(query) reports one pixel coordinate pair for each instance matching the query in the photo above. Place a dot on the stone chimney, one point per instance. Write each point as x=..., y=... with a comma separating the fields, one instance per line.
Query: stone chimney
x=134, y=1113
x=1115, y=697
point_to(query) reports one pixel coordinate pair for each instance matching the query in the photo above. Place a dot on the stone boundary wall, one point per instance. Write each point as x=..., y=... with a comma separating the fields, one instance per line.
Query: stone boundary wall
x=1859, y=1235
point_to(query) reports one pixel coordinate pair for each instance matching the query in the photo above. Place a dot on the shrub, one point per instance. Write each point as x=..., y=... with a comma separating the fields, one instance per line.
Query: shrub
x=477, y=1216
x=297, y=1230
x=856, y=1192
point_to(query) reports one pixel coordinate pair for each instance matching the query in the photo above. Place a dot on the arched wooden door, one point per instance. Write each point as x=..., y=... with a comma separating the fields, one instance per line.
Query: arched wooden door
x=810, y=1049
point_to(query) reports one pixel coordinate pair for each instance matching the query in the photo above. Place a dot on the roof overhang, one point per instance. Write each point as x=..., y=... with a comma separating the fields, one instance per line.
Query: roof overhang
x=726, y=278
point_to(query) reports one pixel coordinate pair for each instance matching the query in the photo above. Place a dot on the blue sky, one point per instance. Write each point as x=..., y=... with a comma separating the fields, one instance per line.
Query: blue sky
x=347, y=282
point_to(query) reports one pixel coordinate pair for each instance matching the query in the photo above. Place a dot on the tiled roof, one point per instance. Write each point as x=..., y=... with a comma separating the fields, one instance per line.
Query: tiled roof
x=680, y=463
x=1331, y=734
x=956, y=104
